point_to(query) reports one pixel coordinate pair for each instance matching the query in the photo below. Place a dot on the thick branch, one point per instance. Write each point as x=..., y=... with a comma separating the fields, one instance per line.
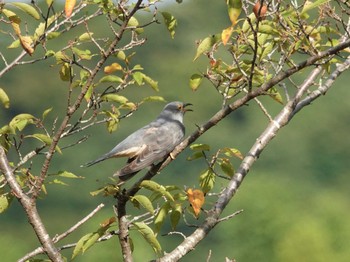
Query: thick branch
x=123, y=224
x=29, y=207
x=213, y=216
x=56, y=239
x=221, y=114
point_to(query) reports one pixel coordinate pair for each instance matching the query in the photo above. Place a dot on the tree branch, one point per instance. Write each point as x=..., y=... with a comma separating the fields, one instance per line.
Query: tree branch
x=30, y=208
x=58, y=238
x=213, y=215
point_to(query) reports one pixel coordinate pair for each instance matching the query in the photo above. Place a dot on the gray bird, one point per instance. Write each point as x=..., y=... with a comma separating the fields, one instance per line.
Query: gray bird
x=150, y=144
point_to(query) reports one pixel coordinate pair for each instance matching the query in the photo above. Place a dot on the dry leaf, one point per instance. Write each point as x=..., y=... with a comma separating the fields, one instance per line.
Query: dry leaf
x=196, y=199
x=26, y=42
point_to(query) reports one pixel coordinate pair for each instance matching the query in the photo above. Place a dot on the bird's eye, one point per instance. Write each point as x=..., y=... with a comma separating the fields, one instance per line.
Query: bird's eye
x=179, y=107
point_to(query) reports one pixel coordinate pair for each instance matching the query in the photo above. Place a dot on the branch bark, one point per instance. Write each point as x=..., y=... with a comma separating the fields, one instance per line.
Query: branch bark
x=29, y=206
x=56, y=239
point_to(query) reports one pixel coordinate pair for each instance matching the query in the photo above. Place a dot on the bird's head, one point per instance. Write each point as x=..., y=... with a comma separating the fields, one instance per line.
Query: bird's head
x=175, y=110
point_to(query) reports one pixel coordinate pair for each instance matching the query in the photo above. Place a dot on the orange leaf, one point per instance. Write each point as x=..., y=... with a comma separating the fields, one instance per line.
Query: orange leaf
x=259, y=10
x=112, y=68
x=196, y=199
x=69, y=6
x=26, y=43
x=226, y=34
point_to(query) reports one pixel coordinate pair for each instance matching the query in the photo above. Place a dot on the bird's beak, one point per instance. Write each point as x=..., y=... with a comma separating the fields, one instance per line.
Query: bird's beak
x=186, y=109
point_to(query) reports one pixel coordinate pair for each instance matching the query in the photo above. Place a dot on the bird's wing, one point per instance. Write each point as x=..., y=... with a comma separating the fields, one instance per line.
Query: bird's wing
x=159, y=141
x=129, y=147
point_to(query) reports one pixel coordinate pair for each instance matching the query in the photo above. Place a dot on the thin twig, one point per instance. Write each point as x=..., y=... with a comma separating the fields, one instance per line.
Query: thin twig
x=58, y=238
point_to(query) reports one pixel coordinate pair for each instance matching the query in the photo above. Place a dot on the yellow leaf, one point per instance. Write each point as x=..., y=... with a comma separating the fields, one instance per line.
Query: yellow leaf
x=14, y=19
x=234, y=10
x=112, y=68
x=226, y=34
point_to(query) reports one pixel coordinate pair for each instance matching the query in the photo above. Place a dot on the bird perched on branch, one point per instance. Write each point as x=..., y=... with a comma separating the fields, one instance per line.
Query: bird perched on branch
x=150, y=144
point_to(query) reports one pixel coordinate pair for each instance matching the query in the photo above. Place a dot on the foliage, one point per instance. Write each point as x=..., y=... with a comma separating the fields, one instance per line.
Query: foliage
x=266, y=46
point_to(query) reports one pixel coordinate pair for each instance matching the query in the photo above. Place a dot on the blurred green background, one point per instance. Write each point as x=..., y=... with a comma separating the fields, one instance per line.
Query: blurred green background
x=295, y=198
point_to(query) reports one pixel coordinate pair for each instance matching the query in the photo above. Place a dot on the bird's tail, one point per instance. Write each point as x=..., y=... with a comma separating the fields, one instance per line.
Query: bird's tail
x=100, y=159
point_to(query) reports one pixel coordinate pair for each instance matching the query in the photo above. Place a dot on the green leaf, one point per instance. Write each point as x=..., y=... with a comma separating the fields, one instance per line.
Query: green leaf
x=266, y=29
x=21, y=121
x=149, y=236
x=90, y=239
x=226, y=167
x=97, y=192
x=58, y=182
x=234, y=10
x=207, y=181
x=143, y=201
x=195, y=155
x=115, y=98
x=85, y=37
x=275, y=95
x=138, y=77
x=121, y=55
x=7, y=129
x=80, y=244
x=40, y=30
x=65, y=72
x=4, y=99
x=46, y=112
x=200, y=147
x=195, y=81
x=232, y=152
x=5, y=201
x=66, y=174
x=45, y=139
x=170, y=22
x=161, y=216
x=82, y=54
x=175, y=216
x=50, y=53
x=53, y=35
x=206, y=44
x=111, y=78
x=152, y=83
x=246, y=25
x=153, y=99
x=4, y=140
x=42, y=137
x=155, y=187
x=14, y=44
x=28, y=9
x=89, y=93
x=112, y=125
x=311, y=5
